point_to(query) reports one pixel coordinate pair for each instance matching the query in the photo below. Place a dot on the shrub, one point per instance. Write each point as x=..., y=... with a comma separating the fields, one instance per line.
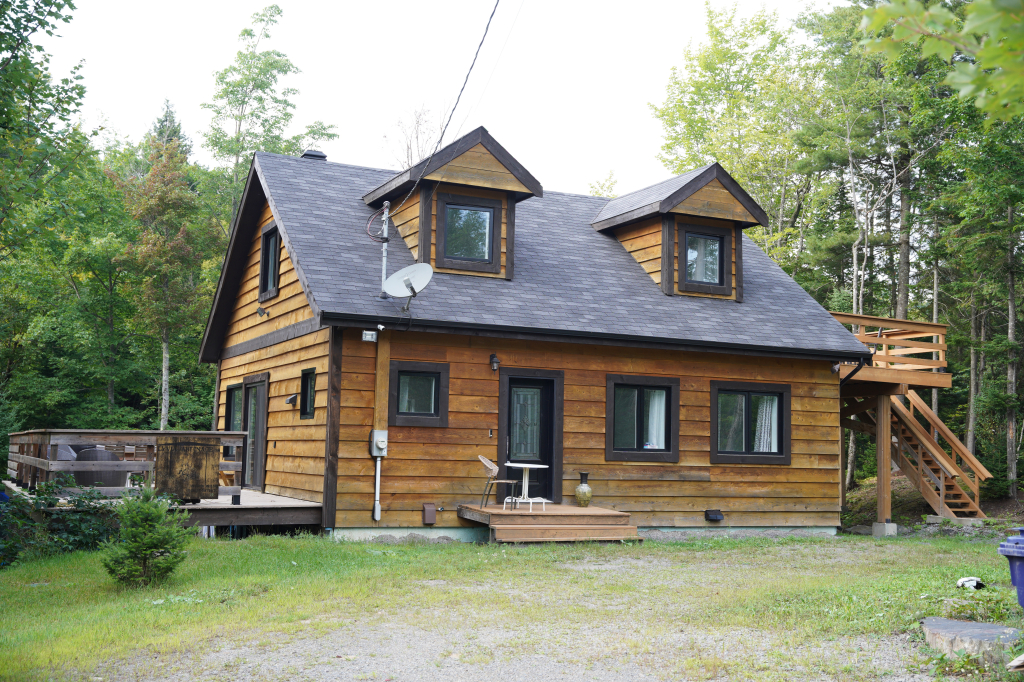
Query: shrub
x=150, y=543
x=33, y=525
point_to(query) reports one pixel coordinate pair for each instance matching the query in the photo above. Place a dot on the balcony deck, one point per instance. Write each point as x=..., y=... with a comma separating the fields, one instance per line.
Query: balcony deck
x=906, y=351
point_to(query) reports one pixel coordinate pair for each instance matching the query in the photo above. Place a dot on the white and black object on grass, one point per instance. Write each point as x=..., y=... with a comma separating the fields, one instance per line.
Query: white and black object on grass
x=970, y=583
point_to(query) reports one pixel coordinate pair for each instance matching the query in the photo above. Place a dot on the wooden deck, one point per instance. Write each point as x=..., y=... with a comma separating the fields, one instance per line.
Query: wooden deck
x=905, y=352
x=557, y=523
x=256, y=509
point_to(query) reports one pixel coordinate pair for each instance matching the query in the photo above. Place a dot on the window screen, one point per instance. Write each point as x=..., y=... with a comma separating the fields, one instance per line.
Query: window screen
x=640, y=420
x=703, y=259
x=748, y=422
x=468, y=233
x=417, y=393
x=307, y=394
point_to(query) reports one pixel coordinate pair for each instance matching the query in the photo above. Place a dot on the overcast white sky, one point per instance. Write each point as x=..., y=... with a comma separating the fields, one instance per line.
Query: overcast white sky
x=564, y=86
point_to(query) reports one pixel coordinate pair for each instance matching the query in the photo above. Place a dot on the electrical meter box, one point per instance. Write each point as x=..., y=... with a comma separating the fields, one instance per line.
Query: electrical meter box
x=378, y=443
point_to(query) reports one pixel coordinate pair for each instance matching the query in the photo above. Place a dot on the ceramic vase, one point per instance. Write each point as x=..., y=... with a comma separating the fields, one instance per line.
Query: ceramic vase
x=583, y=492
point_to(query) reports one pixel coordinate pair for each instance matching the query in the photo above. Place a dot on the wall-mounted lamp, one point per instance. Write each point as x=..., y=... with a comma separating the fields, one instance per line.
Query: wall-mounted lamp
x=835, y=368
x=494, y=362
x=713, y=515
x=292, y=399
x=261, y=312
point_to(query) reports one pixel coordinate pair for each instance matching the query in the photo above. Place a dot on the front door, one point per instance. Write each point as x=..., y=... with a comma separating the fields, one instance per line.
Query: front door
x=530, y=431
x=255, y=418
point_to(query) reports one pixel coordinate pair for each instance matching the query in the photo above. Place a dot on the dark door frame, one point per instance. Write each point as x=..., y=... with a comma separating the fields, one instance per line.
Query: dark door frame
x=253, y=381
x=557, y=377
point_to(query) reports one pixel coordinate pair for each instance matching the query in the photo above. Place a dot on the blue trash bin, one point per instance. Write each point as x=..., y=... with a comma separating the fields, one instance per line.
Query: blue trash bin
x=1013, y=550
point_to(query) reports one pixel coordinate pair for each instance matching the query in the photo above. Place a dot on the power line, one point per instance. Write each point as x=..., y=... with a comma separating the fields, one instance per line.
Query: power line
x=452, y=113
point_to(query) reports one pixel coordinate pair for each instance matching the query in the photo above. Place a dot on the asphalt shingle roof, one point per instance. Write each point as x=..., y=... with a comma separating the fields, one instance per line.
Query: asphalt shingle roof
x=647, y=195
x=568, y=277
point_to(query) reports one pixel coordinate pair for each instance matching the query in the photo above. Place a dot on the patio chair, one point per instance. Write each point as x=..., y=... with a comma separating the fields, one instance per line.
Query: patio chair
x=492, y=480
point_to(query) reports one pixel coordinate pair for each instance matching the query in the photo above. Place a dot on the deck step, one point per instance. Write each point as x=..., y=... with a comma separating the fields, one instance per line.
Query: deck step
x=562, y=532
x=499, y=519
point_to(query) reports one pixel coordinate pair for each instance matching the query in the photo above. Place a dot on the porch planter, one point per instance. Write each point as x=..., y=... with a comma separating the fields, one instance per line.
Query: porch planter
x=583, y=492
x=1013, y=550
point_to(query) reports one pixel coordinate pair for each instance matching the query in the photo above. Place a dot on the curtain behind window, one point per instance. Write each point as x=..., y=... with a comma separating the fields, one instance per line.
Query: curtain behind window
x=766, y=428
x=655, y=436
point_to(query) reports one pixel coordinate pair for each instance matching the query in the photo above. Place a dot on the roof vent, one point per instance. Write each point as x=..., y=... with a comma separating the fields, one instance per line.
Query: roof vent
x=315, y=155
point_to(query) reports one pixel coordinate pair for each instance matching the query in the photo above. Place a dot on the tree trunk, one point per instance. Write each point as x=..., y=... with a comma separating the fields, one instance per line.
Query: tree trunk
x=165, y=375
x=972, y=390
x=110, y=395
x=851, y=460
x=1011, y=364
x=903, y=278
x=935, y=308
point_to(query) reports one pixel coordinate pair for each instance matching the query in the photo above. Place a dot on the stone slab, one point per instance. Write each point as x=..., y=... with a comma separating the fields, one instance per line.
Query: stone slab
x=931, y=518
x=883, y=530
x=988, y=640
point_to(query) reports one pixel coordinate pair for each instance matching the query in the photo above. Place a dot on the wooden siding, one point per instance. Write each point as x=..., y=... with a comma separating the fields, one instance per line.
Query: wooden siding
x=696, y=220
x=470, y=192
x=288, y=307
x=295, y=448
x=439, y=465
x=477, y=167
x=407, y=221
x=713, y=200
x=643, y=241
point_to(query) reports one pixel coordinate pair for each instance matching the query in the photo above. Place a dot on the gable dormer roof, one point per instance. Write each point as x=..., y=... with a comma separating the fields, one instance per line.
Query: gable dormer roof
x=398, y=185
x=668, y=194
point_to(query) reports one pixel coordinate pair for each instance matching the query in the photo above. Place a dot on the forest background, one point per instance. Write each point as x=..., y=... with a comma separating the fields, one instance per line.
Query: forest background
x=891, y=178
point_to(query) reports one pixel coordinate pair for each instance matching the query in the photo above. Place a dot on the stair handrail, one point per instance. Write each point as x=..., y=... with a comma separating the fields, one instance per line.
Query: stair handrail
x=937, y=453
x=977, y=467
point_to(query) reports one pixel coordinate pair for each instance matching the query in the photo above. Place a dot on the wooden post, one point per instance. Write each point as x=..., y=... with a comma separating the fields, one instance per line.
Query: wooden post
x=382, y=382
x=330, y=487
x=883, y=447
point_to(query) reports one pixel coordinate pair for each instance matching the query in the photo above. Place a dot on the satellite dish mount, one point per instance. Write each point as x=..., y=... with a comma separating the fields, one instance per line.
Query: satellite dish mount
x=408, y=282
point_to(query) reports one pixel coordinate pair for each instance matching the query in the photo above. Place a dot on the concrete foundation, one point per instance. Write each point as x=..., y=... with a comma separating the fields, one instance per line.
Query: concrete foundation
x=816, y=530
x=420, y=534
x=883, y=530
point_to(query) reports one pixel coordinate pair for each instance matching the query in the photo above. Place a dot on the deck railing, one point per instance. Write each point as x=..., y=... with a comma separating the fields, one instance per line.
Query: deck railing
x=37, y=456
x=901, y=346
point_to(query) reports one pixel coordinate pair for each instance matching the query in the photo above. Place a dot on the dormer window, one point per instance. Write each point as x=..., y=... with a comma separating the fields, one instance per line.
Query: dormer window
x=704, y=259
x=467, y=235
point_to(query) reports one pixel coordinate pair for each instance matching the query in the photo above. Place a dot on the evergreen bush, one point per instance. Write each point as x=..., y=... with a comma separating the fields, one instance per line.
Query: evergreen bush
x=151, y=541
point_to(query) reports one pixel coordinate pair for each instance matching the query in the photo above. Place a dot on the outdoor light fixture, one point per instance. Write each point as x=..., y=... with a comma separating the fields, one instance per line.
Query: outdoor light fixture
x=835, y=367
x=494, y=362
x=261, y=312
x=292, y=399
x=713, y=515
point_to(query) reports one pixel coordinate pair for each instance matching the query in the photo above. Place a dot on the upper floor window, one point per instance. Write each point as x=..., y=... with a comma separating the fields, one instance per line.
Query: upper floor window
x=270, y=261
x=642, y=419
x=704, y=259
x=468, y=233
x=750, y=423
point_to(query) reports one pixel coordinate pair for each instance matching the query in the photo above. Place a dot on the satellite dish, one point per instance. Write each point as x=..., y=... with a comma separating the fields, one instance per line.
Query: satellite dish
x=408, y=281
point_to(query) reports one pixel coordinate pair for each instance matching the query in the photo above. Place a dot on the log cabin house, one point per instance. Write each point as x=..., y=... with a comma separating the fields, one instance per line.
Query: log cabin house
x=643, y=339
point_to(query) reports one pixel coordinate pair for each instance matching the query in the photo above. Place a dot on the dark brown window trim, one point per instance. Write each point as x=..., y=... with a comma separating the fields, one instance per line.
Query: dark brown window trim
x=510, y=235
x=307, y=411
x=784, y=457
x=557, y=427
x=439, y=368
x=668, y=250
x=268, y=290
x=256, y=378
x=670, y=455
x=227, y=450
x=423, y=249
x=443, y=199
x=726, y=234
x=738, y=245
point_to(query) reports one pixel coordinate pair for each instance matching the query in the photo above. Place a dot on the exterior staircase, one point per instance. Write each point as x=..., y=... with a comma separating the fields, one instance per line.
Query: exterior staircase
x=948, y=477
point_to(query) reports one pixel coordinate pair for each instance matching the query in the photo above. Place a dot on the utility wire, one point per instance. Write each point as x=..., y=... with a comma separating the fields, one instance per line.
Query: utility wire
x=452, y=113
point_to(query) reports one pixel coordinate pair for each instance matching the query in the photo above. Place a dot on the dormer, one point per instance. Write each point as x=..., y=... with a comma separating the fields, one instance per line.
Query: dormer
x=461, y=217
x=687, y=232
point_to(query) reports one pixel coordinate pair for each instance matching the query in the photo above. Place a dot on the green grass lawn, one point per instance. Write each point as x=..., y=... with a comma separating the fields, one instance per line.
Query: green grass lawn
x=62, y=616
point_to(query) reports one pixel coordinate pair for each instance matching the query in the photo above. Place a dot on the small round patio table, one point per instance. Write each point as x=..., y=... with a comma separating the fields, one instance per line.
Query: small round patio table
x=525, y=497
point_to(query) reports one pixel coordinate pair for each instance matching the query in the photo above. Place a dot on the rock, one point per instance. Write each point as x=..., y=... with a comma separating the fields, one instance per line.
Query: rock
x=859, y=530
x=958, y=522
x=987, y=640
